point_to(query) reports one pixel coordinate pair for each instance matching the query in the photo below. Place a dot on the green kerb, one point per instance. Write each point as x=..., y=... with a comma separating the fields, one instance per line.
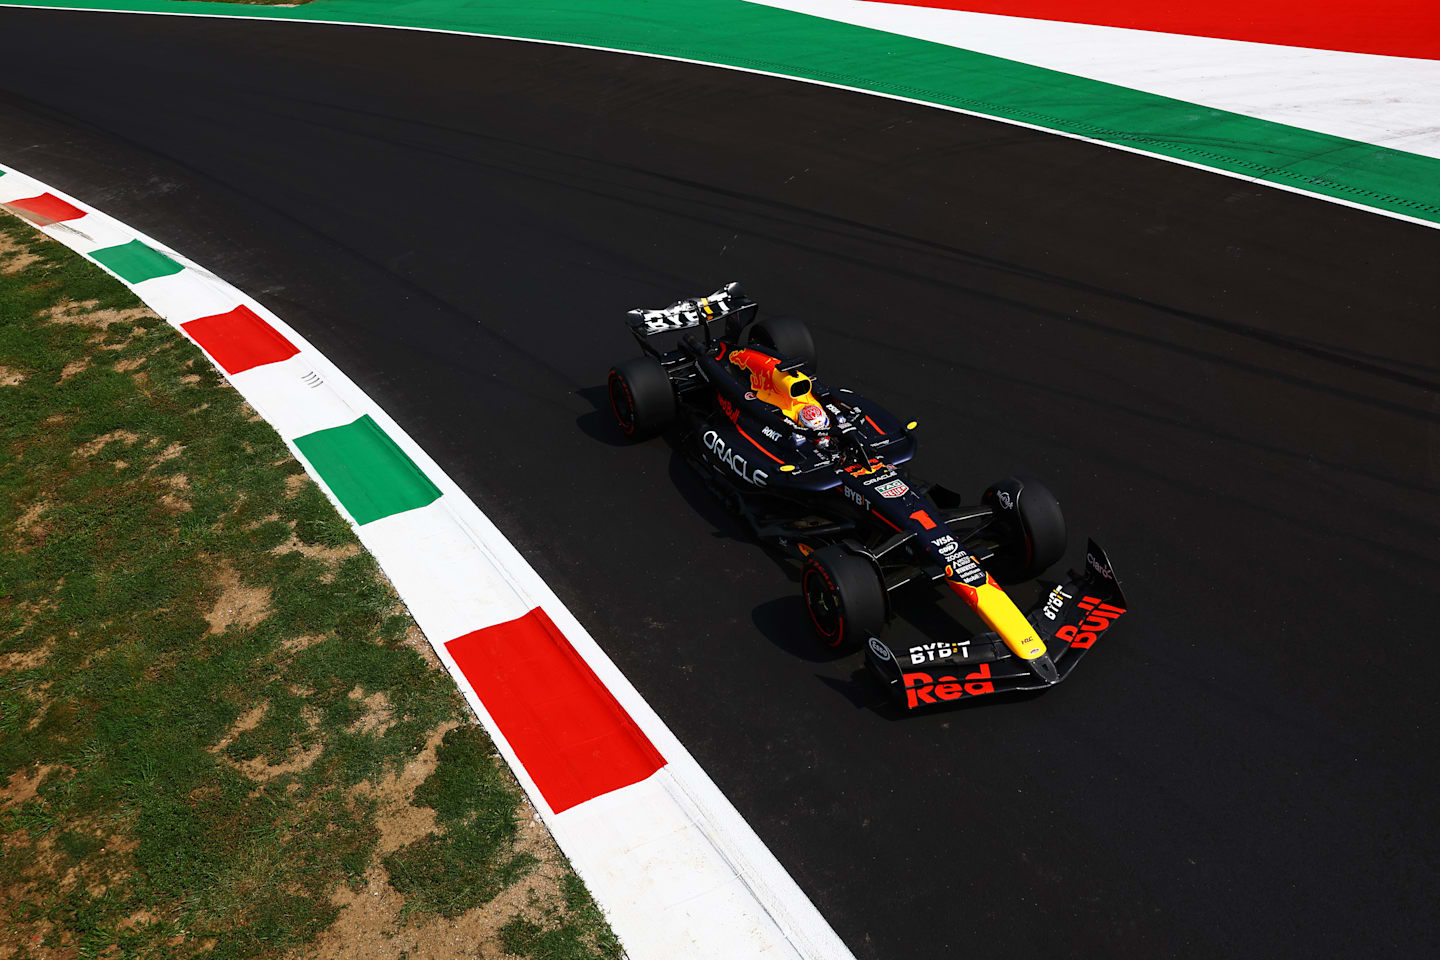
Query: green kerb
x=367, y=471
x=136, y=262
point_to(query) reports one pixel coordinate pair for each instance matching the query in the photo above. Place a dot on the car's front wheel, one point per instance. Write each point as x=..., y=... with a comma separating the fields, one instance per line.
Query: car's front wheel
x=1033, y=526
x=844, y=596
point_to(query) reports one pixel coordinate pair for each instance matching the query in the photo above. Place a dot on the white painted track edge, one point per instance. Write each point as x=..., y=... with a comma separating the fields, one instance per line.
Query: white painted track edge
x=1257, y=181
x=682, y=778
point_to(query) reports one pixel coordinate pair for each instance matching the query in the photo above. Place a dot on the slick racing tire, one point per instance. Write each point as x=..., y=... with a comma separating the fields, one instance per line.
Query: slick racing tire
x=1033, y=526
x=789, y=337
x=641, y=397
x=844, y=597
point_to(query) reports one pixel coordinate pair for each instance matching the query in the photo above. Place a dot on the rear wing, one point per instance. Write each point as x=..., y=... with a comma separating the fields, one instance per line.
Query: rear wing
x=729, y=303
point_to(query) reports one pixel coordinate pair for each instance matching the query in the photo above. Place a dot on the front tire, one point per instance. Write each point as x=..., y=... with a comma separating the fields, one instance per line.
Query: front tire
x=641, y=397
x=844, y=597
x=1034, y=526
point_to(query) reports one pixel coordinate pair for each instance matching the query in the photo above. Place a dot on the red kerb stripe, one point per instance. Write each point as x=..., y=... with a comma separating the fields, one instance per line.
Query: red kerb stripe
x=1398, y=28
x=572, y=737
x=239, y=340
x=46, y=208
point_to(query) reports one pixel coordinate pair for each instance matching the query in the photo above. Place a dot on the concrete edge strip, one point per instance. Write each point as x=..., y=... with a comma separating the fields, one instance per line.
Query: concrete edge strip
x=1235, y=175
x=675, y=867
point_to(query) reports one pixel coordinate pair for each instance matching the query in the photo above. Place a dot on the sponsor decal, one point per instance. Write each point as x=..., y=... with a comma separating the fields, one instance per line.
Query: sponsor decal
x=675, y=317
x=881, y=651
x=770, y=432
x=749, y=395
x=833, y=409
x=729, y=409
x=1082, y=635
x=924, y=688
x=923, y=518
x=1005, y=500
x=926, y=652
x=966, y=570
x=1099, y=567
x=813, y=417
x=855, y=495
x=893, y=489
x=734, y=461
x=1054, y=603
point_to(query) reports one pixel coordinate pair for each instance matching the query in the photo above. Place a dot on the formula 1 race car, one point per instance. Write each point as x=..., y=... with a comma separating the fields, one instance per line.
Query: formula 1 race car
x=817, y=471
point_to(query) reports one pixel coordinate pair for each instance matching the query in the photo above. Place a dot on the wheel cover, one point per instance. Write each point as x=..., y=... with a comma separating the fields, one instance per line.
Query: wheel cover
x=621, y=404
x=824, y=606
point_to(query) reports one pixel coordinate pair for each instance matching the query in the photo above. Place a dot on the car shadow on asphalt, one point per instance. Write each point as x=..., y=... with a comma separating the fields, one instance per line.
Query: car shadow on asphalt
x=599, y=423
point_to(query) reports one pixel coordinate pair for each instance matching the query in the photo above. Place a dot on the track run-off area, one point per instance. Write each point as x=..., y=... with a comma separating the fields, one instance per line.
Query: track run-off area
x=1234, y=388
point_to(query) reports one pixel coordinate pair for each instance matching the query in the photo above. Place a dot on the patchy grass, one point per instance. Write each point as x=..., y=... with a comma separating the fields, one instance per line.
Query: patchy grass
x=218, y=726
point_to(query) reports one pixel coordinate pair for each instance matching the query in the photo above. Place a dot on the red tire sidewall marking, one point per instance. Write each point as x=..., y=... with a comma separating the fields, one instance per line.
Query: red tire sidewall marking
x=627, y=426
x=813, y=569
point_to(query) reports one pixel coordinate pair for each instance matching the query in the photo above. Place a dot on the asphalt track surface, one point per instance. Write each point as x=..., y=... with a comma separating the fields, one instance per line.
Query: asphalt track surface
x=1232, y=388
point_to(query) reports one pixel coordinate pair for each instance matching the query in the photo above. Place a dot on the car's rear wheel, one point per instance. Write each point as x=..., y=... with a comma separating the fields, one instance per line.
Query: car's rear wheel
x=788, y=337
x=844, y=597
x=1033, y=527
x=641, y=397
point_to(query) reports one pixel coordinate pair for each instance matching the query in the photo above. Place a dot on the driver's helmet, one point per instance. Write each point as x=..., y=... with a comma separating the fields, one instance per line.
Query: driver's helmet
x=814, y=417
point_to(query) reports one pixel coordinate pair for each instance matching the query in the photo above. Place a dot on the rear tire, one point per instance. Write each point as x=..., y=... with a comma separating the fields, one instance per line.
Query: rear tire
x=641, y=397
x=1035, y=528
x=844, y=597
x=788, y=337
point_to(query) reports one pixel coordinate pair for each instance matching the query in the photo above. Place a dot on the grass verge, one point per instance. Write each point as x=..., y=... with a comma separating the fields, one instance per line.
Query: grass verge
x=221, y=735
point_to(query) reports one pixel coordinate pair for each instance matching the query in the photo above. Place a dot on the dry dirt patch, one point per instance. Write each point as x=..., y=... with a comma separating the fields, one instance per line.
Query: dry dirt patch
x=239, y=606
x=10, y=377
x=378, y=716
x=174, y=499
x=14, y=257
x=415, y=640
x=85, y=314
x=94, y=446
x=330, y=556
x=399, y=821
x=258, y=768
x=28, y=526
x=22, y=785
x=248, y=720
x=15, y=661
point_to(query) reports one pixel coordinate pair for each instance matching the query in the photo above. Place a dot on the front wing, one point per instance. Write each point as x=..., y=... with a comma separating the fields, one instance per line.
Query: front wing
x=1071, y=618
